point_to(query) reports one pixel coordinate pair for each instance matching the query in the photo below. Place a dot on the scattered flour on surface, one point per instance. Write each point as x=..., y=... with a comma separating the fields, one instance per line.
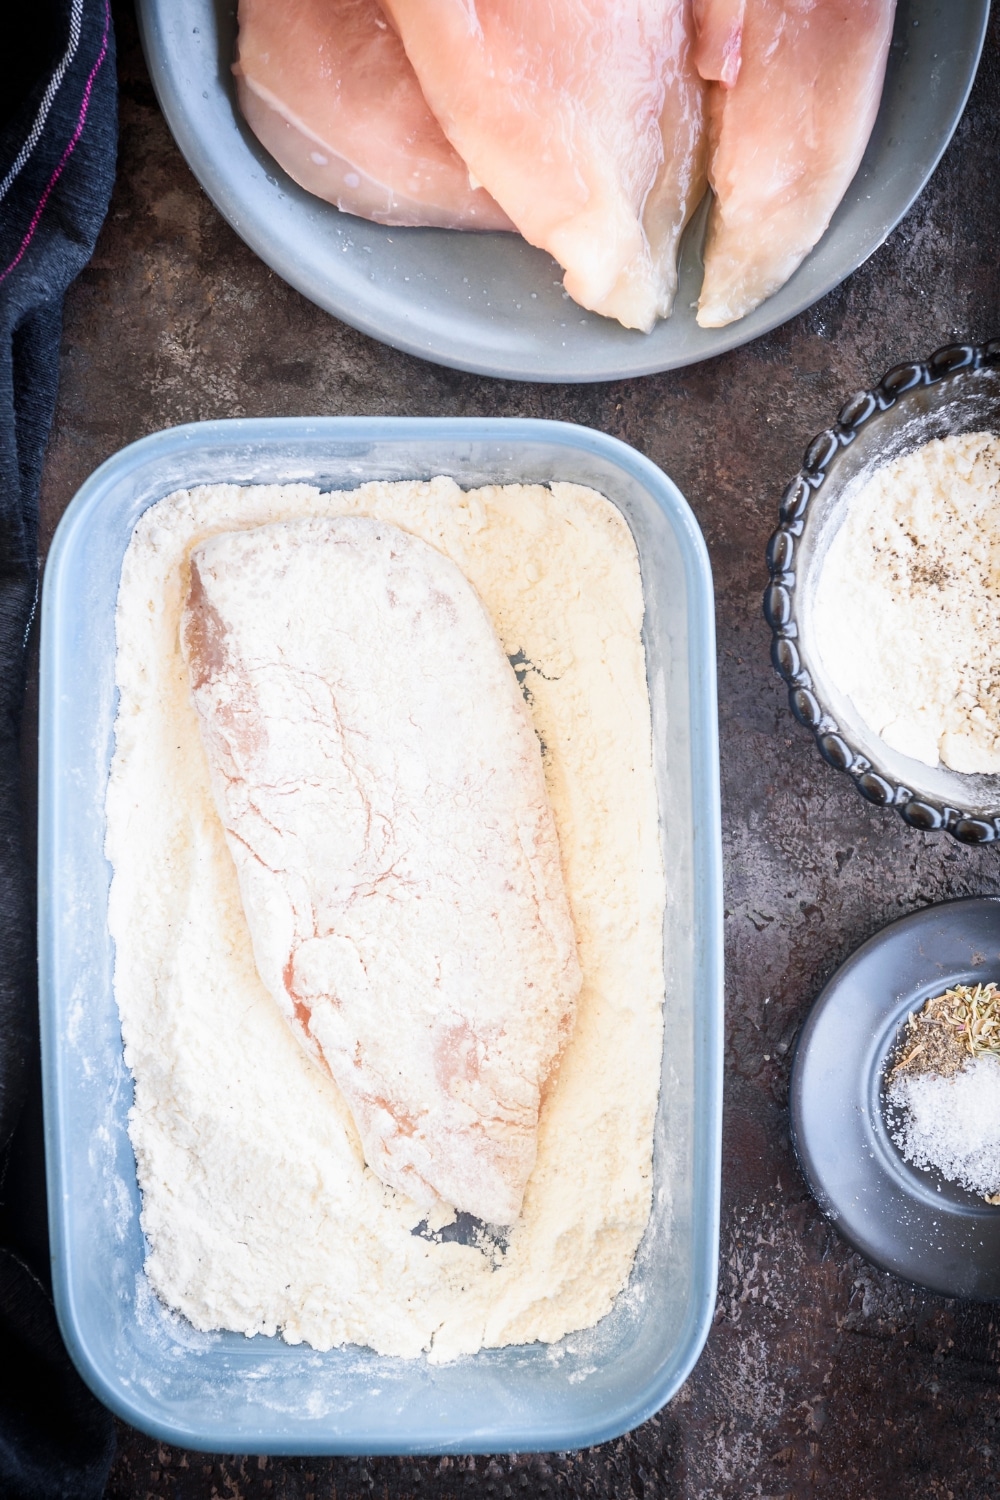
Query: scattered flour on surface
x=259, y=1212
x=907, y=608
x=953, y=1123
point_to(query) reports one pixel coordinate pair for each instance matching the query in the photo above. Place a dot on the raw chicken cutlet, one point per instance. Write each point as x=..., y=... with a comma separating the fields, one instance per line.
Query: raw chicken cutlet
x=587, y=125
x=788, y=135
x=381, y=790
x=718, y=28
x=325, y=85
x=585, y=121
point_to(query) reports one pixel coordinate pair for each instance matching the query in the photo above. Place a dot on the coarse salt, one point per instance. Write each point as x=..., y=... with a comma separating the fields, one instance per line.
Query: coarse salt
x=953, y=1123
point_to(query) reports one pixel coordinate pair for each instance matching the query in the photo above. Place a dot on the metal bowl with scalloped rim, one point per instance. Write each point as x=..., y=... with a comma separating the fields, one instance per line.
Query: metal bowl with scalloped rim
x=956, y=390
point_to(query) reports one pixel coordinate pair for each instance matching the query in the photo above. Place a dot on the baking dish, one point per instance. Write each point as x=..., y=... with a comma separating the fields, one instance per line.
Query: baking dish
x=223, y=1391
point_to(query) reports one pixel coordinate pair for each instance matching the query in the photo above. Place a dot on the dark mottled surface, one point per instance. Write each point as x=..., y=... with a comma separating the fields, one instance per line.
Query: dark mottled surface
x=821, y=1375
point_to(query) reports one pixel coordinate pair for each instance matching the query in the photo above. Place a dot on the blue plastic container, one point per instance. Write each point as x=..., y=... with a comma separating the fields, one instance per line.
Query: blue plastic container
x=226, y=1392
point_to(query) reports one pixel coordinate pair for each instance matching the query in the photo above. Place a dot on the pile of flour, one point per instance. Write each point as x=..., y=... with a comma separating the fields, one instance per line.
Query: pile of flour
x=907, y=609
x=259, y=1212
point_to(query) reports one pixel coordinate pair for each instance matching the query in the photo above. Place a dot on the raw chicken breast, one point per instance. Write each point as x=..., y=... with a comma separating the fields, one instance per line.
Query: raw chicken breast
x=718, y=28
x=788, y=136
x=381, y=789
x=326, y=87
x=584, y=119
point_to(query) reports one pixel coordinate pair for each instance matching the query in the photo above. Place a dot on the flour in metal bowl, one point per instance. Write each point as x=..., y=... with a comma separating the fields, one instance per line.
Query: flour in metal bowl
x=907, y=608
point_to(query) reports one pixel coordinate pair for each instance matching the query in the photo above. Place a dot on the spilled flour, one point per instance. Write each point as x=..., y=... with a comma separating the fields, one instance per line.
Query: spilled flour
x=259, y=1212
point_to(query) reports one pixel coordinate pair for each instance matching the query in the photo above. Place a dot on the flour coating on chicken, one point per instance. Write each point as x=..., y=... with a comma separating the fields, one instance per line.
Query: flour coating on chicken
x=381, y=789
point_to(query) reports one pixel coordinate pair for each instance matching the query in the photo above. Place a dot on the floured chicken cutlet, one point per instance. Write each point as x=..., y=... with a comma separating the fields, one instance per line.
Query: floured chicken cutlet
x=326, y=86
x=381, y=790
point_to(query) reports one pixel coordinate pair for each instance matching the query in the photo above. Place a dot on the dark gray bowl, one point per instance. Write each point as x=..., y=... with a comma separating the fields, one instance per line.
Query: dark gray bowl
x=912, y=1222
x=956, y=390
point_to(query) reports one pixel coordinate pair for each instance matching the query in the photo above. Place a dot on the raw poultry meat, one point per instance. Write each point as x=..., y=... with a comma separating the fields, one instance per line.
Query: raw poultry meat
x=585, y=121
x=718, y=28
x=381, y=790
x=326, y=87
x=787, y=137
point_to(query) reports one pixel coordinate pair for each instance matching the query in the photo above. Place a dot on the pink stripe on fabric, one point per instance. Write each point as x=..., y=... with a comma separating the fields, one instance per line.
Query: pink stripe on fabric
x=84, y=106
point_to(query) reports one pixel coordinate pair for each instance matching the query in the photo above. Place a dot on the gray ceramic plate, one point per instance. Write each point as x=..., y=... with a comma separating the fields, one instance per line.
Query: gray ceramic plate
x=912, y=1222
x=491, y=303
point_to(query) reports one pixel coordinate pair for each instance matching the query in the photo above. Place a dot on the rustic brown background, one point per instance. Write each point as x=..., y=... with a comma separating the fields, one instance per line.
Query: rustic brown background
x=822, y=1376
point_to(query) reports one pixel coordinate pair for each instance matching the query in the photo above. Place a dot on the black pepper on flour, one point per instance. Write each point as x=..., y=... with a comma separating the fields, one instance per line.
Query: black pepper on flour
x=907, y=608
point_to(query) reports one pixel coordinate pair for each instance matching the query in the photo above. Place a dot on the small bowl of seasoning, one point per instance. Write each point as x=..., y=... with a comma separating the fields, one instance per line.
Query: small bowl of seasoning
x=895, y=1098
x=884, y=593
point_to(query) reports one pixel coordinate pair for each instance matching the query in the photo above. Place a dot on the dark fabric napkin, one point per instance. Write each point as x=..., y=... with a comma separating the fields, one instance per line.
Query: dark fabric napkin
x=58, y=129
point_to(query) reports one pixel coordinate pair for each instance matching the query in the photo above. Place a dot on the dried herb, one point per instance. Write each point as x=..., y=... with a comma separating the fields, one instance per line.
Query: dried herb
x=950, y=1029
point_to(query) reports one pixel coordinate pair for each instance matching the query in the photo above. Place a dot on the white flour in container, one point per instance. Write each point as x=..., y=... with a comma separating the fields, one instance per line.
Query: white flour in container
x=952, y=1123
x=258, y=1210
x=907, y=608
